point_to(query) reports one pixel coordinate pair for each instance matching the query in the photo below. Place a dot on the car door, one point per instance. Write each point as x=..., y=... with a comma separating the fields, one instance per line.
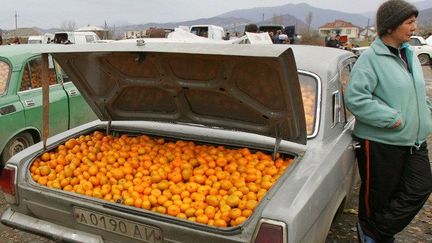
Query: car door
x=79, y=111
x=30, y=95
x=342, y=126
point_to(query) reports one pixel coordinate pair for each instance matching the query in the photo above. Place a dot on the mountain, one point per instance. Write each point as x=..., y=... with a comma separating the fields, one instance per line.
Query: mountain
x=227, y=23
x=300, y=11
x=422, y=5
x=425, y=17
x=286, y=20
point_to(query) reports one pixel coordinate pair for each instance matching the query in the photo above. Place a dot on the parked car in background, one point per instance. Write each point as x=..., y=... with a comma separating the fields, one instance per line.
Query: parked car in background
x=422, y=49
x=75, y=37
x=21, y=100
x=213, y=32
x=429, y=40
x=40, y=39
x=263, y=127
x=359, y=50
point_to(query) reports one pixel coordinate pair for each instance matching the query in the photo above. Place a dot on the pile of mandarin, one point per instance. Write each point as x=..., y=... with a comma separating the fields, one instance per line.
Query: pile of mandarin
x=4, y=75
x=207, y=184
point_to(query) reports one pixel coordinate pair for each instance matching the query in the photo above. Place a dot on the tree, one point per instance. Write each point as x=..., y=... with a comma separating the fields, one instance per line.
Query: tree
x=308, y=21
x=68, y=25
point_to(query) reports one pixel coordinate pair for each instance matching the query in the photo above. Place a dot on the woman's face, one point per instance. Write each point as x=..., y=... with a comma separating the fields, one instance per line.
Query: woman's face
x=404, y=31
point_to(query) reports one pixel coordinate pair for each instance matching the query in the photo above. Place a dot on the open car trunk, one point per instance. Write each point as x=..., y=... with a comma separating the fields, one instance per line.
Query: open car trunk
x=216, y=121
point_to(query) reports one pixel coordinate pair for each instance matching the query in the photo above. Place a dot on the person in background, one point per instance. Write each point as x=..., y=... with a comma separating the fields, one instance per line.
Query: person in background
x=227, y=36
x=271, y=34
x=276, y=39
x=253, y=28
x=386, y=94
x=334, y=42
x=16, y=41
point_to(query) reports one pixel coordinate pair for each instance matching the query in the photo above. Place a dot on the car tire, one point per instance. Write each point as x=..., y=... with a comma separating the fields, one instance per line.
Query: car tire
x=15, y=145
x=424, y=59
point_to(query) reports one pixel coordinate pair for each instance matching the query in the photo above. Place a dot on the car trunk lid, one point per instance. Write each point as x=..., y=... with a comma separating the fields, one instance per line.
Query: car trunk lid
x=247, y=88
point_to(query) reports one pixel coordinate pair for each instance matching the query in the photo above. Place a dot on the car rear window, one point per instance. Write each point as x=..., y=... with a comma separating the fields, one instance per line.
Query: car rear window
x=308, y=85
x=4, y=76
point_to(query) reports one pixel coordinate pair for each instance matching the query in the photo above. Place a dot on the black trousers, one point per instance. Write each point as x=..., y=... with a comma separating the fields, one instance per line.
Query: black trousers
x=396, y=181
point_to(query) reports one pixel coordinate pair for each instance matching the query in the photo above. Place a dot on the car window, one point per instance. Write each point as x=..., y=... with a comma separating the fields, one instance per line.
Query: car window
x=89, y=38
x=32, y=77
x=414, y=42
x=4, y=76
x=61, y=72
x=308, y=86
x=336, y=108
x=345, y=76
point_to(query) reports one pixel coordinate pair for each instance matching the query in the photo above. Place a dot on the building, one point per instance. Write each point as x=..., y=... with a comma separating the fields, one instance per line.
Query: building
x=130, y=34
x=20, y=34
x=100, y=32
x=340, y=27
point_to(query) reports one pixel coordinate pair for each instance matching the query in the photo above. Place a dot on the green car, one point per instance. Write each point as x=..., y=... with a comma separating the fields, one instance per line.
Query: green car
x=21, y=100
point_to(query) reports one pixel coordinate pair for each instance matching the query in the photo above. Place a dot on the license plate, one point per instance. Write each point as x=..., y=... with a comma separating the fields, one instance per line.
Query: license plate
x=117, y=225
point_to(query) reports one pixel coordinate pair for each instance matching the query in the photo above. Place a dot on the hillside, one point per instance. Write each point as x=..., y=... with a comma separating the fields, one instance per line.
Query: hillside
x=300, y=11
x=425, y=17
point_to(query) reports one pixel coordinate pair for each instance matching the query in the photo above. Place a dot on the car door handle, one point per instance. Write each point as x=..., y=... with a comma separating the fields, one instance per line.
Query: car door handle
x=29, y=103
x=73, y=92
x=355, y=145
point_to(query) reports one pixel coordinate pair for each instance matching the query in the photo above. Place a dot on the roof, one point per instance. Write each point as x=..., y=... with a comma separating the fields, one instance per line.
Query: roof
x=91, y=28
x=337, y=24
x=318, y=59
x=17, y=54
x=21, y=32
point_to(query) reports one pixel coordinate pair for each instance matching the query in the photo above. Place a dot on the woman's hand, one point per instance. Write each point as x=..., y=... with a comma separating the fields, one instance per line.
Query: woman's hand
x=397, y=124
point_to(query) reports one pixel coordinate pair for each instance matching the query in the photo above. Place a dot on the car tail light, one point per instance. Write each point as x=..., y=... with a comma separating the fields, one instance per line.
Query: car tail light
x=7, y=183
x=271, y=232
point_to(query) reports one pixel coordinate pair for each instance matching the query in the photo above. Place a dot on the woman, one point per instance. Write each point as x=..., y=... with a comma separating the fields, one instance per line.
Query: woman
x=386, y=94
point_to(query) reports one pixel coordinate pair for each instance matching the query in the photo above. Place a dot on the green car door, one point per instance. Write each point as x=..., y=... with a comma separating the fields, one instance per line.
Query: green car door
x=79, y=111
x=21, y=119
x=30, y=95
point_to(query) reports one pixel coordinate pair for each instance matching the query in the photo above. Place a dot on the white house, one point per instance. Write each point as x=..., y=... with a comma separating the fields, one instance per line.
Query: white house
x=340, y=27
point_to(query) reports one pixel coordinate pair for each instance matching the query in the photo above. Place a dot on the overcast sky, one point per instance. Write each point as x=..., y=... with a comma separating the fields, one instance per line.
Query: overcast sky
x=52, y=13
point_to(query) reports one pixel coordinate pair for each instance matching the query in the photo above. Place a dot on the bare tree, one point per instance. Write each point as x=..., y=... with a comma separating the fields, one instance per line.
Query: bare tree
x=68, y=25
x=308, y=21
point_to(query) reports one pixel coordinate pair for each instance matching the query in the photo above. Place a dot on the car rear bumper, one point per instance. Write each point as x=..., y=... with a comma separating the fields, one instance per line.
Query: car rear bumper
x=47, y=229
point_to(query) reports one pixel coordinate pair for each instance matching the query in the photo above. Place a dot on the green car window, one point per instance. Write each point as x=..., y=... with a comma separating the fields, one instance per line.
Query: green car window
x=32, y=77
x=4, y=75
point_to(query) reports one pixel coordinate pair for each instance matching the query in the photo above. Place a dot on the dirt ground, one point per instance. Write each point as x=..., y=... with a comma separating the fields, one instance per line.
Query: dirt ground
x=343, y=229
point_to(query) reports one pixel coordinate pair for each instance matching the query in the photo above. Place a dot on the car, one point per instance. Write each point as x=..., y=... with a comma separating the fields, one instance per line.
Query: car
x=21, y=100
x=359, y=50
x=429, y=40
x=262, y=123
x=422, y=49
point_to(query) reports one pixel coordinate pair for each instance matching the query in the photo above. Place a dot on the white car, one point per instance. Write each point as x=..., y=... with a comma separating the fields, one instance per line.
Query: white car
x=422, y=49
x=429, y=40
x=359, y=50
x=276, y=99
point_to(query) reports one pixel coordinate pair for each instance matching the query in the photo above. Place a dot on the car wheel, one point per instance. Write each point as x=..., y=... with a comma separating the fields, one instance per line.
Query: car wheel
x=424, y=59
x=15, y=145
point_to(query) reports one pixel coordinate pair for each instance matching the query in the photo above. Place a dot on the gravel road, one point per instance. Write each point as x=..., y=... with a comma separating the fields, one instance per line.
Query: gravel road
x=343, y=229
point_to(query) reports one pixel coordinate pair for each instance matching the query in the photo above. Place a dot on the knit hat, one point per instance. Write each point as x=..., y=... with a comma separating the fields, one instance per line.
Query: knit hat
x=392, y=13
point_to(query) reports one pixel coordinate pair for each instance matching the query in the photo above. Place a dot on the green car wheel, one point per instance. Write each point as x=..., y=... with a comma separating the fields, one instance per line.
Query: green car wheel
x=15, y=145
